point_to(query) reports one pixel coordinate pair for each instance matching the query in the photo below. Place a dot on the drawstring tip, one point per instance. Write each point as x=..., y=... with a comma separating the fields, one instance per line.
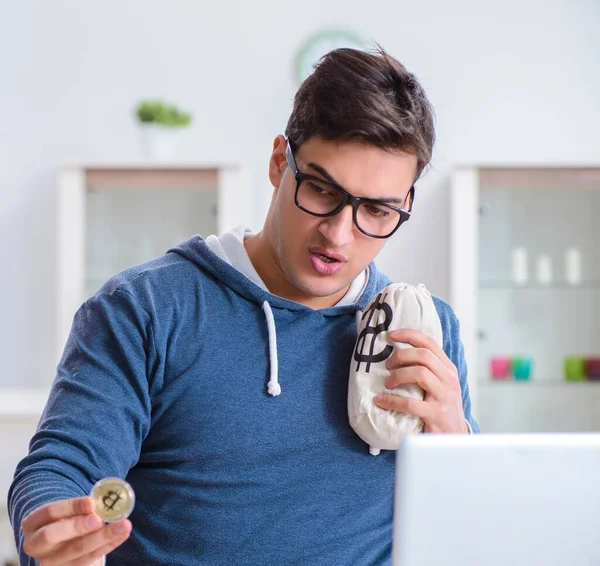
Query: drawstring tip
x=274, y=388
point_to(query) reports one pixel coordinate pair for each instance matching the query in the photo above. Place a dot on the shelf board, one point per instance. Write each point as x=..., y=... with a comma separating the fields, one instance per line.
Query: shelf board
x=555, y=286
x=151, y=164
x=535, y=383
x=23, y=402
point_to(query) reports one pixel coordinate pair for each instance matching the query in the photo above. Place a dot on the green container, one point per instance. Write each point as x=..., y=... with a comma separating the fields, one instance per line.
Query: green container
x=521, y=368
x=574, y=368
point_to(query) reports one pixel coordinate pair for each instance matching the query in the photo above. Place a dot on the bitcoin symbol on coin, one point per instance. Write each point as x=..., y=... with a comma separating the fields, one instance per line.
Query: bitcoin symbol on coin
x=371, y=357
x=114, y=499
x=111, y=499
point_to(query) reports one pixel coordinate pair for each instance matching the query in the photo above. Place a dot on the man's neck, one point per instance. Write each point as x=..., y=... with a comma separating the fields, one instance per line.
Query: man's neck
x=274, y=278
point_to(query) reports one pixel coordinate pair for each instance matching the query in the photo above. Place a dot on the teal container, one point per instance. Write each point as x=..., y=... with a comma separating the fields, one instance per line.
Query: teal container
x=522, y=368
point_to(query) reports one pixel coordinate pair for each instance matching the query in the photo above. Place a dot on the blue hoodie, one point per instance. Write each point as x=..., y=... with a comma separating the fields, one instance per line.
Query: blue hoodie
x=163, y=382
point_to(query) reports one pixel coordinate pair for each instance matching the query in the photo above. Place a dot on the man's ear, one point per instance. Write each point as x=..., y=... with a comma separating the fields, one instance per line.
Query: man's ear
x=277, y=162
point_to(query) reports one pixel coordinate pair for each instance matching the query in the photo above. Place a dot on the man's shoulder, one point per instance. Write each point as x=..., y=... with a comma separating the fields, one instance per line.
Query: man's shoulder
x=163, y=279
x=452, y=343
x=446, y=313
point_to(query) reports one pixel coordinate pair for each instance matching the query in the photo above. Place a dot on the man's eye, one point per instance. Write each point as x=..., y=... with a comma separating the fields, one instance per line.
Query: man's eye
x=377, y=210
x=319, y=189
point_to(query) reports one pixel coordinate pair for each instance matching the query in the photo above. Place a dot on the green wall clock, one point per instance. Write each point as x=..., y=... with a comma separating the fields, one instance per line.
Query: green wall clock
x=320, y=43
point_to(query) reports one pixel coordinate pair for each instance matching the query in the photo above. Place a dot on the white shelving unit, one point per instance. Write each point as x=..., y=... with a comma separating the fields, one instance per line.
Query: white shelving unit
x=114, y=216
x=545, y=211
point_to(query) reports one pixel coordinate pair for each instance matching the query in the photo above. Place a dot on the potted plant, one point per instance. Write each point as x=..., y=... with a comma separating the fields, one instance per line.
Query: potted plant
x=159, y=122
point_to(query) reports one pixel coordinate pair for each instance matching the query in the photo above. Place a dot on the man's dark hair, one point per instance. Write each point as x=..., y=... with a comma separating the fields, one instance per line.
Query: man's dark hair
x=353, y=95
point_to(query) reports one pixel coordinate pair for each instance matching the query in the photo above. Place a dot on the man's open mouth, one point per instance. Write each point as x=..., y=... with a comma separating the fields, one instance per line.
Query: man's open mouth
x=326, y=259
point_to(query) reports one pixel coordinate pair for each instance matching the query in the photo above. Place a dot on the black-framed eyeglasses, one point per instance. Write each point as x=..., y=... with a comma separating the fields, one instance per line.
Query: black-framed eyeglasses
x=322, y=198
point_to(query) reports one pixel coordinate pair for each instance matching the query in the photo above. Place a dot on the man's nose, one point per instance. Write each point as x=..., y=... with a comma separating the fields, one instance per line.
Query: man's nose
x=339, y=229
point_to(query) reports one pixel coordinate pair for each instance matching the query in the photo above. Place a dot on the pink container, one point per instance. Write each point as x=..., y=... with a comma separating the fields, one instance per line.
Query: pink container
x=500, y=368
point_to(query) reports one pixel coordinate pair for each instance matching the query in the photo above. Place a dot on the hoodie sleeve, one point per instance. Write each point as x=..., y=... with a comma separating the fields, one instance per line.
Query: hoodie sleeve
x=454, y=349
x=98, y=411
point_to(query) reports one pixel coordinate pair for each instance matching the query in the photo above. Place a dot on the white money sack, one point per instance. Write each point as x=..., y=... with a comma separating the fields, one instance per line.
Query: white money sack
x=397, y=306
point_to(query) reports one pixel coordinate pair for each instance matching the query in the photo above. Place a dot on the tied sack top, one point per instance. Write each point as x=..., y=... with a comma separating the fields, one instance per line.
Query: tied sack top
x=397, y=306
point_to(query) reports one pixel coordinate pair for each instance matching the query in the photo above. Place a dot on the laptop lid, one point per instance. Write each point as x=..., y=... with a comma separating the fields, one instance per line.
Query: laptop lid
x=498, y=500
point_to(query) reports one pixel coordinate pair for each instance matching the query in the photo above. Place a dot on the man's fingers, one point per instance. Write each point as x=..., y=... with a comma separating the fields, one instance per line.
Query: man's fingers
x=89, y=547
x=45, y=539
x=408, y=405
x=419, y=375
x=419, y=357
x=96, y=556
x=56, y=511
x=420, y=340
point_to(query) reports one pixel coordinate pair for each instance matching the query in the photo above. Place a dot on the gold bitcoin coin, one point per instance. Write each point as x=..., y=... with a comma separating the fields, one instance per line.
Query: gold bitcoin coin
x=114, y=499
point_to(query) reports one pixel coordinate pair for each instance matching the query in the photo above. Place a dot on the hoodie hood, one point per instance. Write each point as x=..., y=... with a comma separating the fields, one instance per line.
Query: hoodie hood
x=199, y=253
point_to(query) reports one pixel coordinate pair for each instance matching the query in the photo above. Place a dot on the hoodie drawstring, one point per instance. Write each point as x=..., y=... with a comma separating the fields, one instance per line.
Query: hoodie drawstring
x=273, y=386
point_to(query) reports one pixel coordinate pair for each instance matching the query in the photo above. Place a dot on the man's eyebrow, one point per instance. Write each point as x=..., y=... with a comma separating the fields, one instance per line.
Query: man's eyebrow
x=390, y=200
x=323, y=172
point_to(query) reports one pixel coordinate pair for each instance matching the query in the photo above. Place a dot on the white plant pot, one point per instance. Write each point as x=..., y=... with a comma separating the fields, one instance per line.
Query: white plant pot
x=159, y=142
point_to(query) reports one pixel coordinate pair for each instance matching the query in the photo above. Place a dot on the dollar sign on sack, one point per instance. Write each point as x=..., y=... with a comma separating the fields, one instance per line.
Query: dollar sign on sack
x=110, y=499
x=372, y=357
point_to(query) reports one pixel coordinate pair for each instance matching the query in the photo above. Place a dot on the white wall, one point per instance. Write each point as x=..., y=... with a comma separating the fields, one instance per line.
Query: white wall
x=512, y=82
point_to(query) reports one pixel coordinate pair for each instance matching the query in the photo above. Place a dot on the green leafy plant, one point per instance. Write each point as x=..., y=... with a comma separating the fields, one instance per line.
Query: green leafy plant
x=162, y=113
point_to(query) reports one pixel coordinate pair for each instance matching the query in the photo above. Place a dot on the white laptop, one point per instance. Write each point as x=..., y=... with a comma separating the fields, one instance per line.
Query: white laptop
x=498, y=500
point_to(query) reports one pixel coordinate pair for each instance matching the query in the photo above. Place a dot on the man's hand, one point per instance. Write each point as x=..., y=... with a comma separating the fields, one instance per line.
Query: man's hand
x=427, y=366
x=68, y=533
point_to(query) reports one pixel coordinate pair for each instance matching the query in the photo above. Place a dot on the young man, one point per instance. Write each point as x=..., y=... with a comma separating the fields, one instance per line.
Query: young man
x=215, y=378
